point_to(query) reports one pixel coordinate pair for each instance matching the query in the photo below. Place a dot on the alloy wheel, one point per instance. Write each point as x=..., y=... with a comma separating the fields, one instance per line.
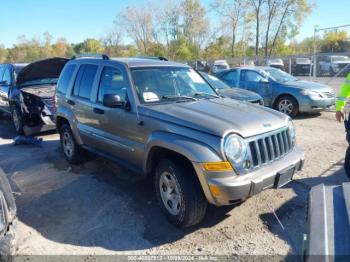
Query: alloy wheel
x=285, y=106
x=68, y=144
x=170, y=193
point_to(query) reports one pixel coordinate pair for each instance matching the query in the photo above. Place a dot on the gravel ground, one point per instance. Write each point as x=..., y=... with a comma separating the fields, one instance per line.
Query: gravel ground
x=99, y=208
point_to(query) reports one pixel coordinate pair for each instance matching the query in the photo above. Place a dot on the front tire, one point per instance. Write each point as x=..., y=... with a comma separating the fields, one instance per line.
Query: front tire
x=71, y=150
x=17, y=120
x=179, y=193
x=287, y=105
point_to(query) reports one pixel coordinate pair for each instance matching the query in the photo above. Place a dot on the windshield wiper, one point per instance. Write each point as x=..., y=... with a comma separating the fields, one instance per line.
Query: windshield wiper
x=206, y=95
x=179, y=98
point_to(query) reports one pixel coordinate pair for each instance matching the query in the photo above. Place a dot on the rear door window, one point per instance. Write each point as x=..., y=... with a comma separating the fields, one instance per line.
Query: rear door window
x=84, y=81
x=64, y=80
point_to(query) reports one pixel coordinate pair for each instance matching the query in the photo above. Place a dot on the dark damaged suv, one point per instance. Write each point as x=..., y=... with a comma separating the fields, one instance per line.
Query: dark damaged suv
x=164, y=121
x=27, y=93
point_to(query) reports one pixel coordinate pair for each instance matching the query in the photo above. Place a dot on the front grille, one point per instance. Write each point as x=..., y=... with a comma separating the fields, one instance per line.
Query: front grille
x=50, y=103
x=269, y=148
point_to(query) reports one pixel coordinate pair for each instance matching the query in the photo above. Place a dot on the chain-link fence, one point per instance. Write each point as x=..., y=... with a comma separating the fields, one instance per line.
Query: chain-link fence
x=330, y=69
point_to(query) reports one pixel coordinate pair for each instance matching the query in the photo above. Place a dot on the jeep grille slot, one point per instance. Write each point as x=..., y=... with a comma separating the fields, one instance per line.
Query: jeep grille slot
x=269, y=148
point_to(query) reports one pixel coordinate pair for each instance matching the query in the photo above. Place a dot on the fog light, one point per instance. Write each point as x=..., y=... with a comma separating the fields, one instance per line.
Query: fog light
x=215, y=190
x=247, y=164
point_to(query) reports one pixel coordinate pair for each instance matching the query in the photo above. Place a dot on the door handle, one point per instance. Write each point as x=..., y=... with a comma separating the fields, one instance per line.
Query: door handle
x=71, y=102
x=98, y=111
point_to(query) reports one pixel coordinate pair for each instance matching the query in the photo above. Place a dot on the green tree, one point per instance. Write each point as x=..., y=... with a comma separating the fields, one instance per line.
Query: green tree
x=333, y=41
x=89, y=46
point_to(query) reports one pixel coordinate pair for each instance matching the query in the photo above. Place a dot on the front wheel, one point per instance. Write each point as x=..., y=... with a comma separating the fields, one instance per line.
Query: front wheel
x=287, y=105
x=17, y=120
x=179, y=193
x=71, y=150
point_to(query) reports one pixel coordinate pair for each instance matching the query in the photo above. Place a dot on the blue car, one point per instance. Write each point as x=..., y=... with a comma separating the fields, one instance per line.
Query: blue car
x=281, y=90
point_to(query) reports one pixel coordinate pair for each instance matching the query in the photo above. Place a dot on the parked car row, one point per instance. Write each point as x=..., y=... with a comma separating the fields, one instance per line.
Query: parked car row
x=167, y=122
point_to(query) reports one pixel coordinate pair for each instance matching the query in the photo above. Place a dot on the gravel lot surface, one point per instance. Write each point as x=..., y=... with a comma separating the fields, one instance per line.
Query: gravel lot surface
x=99, y=208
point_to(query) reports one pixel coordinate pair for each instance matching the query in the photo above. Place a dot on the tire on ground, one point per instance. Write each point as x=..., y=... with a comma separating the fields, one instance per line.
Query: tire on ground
x=293, y=101
x=193, y=202
x=19, y=124
x=75, y=154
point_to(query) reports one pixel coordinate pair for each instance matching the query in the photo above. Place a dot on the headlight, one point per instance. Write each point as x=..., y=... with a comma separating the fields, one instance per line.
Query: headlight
x=311, y=93
x=291, y=131
x=235, y=149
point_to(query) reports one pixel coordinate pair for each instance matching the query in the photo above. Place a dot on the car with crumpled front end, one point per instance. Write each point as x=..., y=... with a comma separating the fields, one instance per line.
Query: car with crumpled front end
x=163, y=121
x=27, y=93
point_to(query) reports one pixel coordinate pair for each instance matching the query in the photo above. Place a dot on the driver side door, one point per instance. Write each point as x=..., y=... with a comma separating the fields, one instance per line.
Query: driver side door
x=117, y=129
x=255, y=82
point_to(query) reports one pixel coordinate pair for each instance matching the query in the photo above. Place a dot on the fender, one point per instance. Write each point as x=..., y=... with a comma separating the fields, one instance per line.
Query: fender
x=70, y=118
x=193, y=150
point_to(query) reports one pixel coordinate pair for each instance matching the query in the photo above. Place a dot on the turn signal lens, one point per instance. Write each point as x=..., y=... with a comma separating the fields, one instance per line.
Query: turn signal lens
x=218, y=166
x=215, y=190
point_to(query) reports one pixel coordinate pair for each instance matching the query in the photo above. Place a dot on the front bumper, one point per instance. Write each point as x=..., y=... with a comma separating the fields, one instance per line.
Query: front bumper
x=309, y=105
x=235, y=188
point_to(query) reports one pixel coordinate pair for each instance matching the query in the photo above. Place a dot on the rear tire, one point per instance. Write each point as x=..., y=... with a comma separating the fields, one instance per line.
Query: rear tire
x=71, y=150
x=287, y=105
x=179, y=193
x=17, y=120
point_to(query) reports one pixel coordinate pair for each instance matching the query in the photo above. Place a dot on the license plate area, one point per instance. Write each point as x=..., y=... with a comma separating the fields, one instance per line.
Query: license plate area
x=284, y=177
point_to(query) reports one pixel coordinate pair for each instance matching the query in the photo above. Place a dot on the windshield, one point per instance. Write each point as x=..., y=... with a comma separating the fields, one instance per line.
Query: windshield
x=170, y=83
x=275, y=61
x=214, y=82
x=303, y=60
x=280, y=76
x=340, y=58
x=221, y=67
x=44, y=81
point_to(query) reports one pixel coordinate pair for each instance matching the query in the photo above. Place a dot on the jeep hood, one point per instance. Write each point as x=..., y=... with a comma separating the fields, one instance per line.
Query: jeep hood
x=218, y=116
x=312, y=86
x=239, y=94
x=48, y=68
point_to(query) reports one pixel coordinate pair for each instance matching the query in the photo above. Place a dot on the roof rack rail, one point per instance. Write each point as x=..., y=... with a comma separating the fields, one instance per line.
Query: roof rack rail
x=153, y=57
x=103, y=56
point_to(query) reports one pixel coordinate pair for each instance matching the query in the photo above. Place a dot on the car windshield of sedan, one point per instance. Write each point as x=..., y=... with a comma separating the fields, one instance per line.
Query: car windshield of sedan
x=280, y=76
x=214, y=82
x=164, y=84
x=340, y=58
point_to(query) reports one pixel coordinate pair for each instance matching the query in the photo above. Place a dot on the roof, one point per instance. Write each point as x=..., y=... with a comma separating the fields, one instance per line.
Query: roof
x=255, y=67
x=141, y=62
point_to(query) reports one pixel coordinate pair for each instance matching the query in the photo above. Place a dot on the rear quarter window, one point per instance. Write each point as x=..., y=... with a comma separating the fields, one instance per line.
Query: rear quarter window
x=65, y=78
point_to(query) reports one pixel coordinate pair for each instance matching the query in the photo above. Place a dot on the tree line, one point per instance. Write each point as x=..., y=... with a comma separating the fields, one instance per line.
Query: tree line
x=185, y=30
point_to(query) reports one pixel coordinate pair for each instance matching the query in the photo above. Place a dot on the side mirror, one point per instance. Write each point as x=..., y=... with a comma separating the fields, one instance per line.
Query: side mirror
x=4, y=83
x=264, y=81
x=114, y=101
